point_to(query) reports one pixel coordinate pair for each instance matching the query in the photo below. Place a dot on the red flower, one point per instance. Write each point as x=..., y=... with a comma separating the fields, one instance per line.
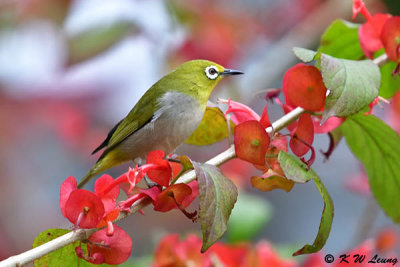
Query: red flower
x=66, y=188
x=103, y=248
x=359, y=7
x=109, y=197
x=84, y=209
x=162, y=172
x=240, y=112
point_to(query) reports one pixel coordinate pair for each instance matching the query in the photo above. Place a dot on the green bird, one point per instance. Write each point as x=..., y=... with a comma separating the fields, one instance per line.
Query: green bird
x=164, y=117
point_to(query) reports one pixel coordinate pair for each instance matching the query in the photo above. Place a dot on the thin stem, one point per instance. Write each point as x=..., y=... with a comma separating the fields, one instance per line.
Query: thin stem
x=83, y=234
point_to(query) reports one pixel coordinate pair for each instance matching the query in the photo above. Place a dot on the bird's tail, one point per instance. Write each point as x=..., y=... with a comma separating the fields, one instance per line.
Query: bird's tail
x=113, y=158
x=98, y=168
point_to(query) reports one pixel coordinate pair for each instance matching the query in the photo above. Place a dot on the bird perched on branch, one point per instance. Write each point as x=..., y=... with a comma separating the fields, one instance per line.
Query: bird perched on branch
x=166, y=115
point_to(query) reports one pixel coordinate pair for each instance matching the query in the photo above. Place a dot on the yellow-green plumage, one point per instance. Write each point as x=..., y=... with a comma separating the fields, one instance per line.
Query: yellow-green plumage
x=163, y=118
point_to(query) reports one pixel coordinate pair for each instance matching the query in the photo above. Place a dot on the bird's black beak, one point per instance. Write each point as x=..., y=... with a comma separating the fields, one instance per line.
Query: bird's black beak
x=231, y=72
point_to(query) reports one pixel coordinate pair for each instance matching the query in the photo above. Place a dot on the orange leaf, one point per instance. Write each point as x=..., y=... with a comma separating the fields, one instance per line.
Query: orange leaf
x=303, y=87
x=251, y=142
x=304, y=133
x=270, y=181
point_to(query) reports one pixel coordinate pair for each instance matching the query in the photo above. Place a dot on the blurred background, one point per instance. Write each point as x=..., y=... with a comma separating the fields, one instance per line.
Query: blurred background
x=70, y=70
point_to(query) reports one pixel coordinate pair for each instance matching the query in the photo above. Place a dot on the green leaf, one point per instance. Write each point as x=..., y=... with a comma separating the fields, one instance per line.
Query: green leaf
x=325, y=224
x=186, y=165
x=390, y=83
x=378, y=147
x=217, y=196
x=341, y=40
x=305, y=55
x=294, y=168
x=65, y=256
x=249, y=216
x=95, y=41
x=213, y=128
x=352, y=84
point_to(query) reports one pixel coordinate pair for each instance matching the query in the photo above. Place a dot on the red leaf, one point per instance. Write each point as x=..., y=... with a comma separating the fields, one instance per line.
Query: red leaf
x=315, y=260
x=162, y=174
x=109, y=198
x=366, y=248
x=195, y=192
x=85, y=206
x=277, y=144
x=116, y=249
x=170, y=197
x=265, y=255
x=166, y=255
x=251, y=142
x=303, y=87
x=66, y=188
x=369, y=34
x=390, y=37
x=304, y=132
x=176, y=168
x=172, y=252
x=387, y=240
x=230, y=255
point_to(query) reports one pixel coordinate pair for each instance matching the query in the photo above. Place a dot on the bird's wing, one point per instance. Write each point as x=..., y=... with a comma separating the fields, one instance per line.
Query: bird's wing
x=137, y=118
x=105, y=142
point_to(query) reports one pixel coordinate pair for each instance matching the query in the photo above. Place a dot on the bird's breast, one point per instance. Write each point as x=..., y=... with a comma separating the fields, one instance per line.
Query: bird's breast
x=177, y=117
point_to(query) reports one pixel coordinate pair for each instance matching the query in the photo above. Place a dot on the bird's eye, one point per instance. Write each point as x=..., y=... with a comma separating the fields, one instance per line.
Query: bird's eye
x=211, y=72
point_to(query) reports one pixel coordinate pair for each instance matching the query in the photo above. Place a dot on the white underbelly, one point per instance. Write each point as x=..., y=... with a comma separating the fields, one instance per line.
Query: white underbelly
x=177, y=118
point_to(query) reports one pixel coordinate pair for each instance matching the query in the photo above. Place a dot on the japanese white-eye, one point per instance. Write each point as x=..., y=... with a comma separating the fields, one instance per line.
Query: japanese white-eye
x=164, y=117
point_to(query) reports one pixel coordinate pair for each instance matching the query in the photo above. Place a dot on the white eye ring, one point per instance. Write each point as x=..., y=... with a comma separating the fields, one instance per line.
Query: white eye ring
x=211, y=72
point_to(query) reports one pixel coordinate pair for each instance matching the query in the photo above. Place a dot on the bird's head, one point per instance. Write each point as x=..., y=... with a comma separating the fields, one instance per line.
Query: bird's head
x=204, y=75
